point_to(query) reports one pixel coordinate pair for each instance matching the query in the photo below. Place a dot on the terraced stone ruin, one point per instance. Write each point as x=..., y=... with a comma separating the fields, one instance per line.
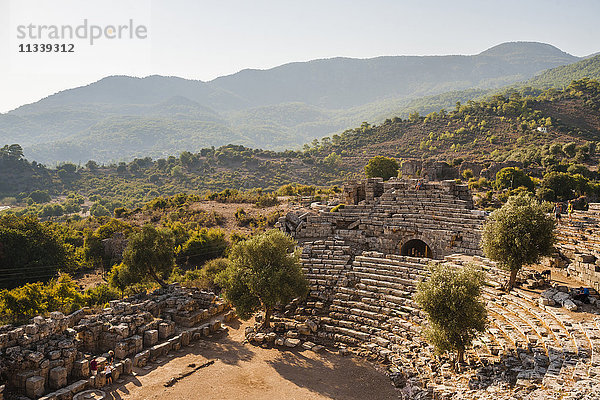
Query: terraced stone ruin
x=387, y=216
x=50, y=357
x=363, y=279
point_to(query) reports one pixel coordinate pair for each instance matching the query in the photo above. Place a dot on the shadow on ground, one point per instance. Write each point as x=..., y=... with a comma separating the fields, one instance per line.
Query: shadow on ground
x=331, y=375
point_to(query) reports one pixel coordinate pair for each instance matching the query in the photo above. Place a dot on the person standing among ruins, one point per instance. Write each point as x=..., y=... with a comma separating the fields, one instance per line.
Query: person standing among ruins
x=570, y=210
x=108, y=371
x=94, y=366
x=557, y=211
x=111, y=357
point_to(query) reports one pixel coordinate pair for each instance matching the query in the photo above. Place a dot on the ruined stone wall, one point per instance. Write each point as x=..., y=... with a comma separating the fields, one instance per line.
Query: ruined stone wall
x=49, y=353
x=434, y=170
x=114, y=247
x=579, y=244
x=392, y=213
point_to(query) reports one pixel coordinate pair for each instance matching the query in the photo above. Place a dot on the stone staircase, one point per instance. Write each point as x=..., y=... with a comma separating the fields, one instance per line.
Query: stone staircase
x=370, y=308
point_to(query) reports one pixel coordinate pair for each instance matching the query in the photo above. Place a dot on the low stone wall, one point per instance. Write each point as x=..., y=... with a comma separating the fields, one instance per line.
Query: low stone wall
x=52, y=354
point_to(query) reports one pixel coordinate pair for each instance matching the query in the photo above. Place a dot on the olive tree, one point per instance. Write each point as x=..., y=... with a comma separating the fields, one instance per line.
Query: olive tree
x=455, y=312
x=512, y=178
x=264, y=271
x=150, y=253
x=381, y=167
x=519, y=233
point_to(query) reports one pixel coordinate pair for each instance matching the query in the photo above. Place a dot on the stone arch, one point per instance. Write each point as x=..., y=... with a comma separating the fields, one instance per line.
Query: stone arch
x=416, y=247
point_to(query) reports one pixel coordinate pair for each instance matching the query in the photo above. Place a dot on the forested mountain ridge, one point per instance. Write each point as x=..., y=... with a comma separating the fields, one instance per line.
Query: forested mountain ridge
x=547, y=129
x=119, y=117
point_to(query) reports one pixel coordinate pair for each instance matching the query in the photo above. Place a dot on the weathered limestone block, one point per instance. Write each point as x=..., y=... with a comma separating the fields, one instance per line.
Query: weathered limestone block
x=122, y=330
x=78, y=386
x=140, y=359
x=303, y=329
x=57, y=377
x=54, y=355
x=215, y=326
x=35, y=357
x=121, y=350
x=34, y=386
x=31, y=329
x=159, y=350
x=138, y=344
x=150, y=338
x=127, y=366
x=116, y=373
x=63, y=394
x=175, y=342
x=81, y=369
x=289, y=342
x=185, y=338
x=166, y=330
x=99, y=379
x=57, y=315
x=206, y=330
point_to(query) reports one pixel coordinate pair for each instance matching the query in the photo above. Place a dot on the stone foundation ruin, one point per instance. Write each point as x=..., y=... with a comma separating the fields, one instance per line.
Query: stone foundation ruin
x=50, y=357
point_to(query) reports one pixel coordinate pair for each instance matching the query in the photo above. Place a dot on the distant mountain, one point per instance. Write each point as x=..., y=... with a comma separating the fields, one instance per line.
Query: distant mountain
x=558, y=78
x=561, y=76
x=121, y=117
x=345, y=82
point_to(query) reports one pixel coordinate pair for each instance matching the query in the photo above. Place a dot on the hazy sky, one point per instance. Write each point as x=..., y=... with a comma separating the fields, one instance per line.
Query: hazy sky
x=200, y=39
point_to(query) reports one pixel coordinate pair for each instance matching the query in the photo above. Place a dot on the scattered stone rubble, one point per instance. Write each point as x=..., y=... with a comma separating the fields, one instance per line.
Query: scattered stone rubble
x=562, y=296
x=49, y=358
x=579, y=245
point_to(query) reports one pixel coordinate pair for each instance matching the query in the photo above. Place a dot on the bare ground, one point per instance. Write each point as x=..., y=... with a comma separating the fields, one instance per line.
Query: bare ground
x=242, y=371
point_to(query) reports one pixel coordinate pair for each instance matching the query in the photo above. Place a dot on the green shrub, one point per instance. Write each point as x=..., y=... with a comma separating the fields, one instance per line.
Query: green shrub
x=512, y=177
x=202, y=246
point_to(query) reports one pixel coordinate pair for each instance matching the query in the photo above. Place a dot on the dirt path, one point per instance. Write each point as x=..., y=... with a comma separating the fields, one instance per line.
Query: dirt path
x=247, y=372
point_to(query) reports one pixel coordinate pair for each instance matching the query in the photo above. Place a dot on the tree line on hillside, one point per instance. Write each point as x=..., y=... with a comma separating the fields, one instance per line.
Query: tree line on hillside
x=503, y=127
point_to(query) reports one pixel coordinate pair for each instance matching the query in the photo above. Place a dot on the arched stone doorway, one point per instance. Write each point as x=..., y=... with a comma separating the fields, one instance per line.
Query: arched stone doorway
x=416, y=248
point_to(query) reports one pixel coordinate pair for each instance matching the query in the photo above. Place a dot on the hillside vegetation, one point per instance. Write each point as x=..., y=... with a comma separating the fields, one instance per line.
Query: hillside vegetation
x=529, y=126
x=86, y=218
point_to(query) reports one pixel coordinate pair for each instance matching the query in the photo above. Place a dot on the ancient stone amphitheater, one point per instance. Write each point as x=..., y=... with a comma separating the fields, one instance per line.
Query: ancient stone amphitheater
x=364, y=262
